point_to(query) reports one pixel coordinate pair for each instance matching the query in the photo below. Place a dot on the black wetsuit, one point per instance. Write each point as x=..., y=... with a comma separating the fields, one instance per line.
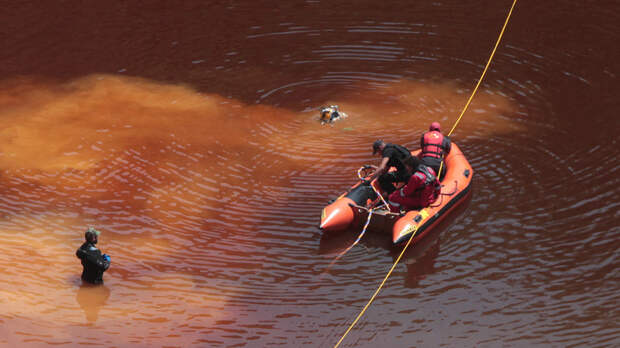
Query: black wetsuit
x=398, y=157
x=93, y=262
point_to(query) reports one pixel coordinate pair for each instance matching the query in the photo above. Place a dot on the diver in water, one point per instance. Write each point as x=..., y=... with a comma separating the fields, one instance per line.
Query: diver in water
x=93, y=261
x=330, y=114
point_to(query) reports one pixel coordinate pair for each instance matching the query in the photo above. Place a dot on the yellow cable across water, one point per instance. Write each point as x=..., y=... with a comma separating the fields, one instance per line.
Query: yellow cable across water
x=453, y=127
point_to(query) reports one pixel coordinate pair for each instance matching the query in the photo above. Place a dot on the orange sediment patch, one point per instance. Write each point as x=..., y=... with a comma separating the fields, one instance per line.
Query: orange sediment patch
x=156, y=167
x=74, y=125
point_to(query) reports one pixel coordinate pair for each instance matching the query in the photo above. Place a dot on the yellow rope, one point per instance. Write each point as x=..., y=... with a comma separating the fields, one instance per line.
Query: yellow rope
x=378, y=289
x=453, y=127
x=485, y=68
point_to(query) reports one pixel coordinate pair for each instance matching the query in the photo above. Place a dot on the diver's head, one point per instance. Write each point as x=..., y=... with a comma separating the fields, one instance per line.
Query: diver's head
x=325, y=113
x=91, y=235
x=329, y=113
x=435, y=126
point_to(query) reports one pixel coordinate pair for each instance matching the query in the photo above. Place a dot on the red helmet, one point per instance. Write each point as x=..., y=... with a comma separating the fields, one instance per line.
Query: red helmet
x=435, y=126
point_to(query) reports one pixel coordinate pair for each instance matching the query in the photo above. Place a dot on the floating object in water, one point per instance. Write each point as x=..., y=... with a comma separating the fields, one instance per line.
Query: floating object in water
x=331, y=114
x=353, y=206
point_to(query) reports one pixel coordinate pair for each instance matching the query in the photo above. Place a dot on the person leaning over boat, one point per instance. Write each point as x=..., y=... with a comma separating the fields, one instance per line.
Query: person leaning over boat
x=435, y=146
x=93, y=261
x=421, y=190
x=392, y=155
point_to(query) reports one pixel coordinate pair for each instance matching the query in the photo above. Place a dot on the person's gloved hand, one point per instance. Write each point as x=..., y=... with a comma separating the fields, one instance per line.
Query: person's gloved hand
x=106, y=257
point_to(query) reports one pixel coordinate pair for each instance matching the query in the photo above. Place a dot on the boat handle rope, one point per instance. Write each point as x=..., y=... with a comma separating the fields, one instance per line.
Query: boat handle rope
x=441, y=194
x=438, y=204
x=352, y=245
x=387, y=213
x=456, y=187
x=359, y=175
x=368, y=210
x=501, y=34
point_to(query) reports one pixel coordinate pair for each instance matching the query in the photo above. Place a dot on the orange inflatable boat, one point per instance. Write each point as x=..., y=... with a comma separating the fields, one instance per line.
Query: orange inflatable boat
x=352, y=207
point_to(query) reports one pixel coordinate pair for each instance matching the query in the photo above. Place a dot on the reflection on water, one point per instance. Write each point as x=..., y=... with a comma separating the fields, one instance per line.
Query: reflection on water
x=92, y=298
x=418, y=269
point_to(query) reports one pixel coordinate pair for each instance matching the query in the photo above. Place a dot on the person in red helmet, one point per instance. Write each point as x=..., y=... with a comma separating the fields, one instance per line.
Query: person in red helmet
x=434, y=147
x=421, y=190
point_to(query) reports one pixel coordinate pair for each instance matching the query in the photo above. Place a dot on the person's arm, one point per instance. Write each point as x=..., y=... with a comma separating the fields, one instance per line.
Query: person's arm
x=382, y=169
x=93, y=258
x=105, y=264
x=101, y=262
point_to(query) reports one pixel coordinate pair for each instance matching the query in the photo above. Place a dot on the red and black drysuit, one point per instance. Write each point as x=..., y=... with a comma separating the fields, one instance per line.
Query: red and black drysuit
x=421, y=190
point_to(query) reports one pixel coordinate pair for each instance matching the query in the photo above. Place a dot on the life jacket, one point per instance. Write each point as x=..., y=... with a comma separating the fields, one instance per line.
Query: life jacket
x=433, y=144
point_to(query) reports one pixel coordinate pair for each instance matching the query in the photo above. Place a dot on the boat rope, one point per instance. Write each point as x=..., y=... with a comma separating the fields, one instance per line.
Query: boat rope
x=370, y=212
x=453, y=127
x=354, y=243
x=362, y=177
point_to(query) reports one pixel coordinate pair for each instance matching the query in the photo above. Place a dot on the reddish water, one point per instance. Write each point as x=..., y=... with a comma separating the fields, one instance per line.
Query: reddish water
x=188, y=134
